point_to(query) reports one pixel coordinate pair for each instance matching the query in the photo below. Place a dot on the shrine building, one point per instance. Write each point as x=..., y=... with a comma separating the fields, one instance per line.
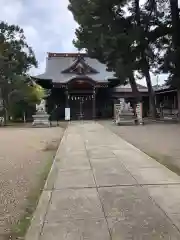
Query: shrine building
x=82, y=84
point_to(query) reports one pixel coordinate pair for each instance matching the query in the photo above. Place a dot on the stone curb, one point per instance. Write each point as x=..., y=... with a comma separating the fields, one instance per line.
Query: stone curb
x=36, y=225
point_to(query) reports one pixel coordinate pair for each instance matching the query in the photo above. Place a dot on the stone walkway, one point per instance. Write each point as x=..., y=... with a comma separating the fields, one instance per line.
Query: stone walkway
x=101, y=187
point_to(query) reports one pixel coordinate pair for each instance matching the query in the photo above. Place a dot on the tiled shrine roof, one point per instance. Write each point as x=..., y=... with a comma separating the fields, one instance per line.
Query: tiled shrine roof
x=63, y=67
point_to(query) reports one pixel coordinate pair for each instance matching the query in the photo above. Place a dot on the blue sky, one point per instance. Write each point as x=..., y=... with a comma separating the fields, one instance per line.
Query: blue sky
x=48, y=26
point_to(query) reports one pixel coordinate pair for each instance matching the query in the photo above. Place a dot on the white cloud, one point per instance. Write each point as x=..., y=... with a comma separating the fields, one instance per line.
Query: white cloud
x=10, y=10
x=48, y=25
x=31, y=33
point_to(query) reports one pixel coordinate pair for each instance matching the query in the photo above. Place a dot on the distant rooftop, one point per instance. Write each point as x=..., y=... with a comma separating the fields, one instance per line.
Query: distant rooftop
x=127, y=88
x=161, y=87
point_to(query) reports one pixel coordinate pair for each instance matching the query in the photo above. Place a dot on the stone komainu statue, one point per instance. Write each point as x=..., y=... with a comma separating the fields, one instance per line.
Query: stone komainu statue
x=41, y=107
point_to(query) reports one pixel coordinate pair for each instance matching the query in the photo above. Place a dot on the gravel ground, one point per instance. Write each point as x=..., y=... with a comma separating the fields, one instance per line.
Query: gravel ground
x=159, y=140
x=23, y=154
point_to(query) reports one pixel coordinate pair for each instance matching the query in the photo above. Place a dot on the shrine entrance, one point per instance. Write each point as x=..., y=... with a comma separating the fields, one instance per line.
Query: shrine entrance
x=81, y=106
x=81, y=98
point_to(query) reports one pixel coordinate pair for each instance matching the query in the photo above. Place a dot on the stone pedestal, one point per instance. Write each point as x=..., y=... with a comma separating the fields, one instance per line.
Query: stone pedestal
x=139, y=114
x=126, y=112
x=41, y=119
x=117, y=111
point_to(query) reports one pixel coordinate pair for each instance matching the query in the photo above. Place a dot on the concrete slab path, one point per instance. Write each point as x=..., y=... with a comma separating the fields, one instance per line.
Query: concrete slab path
x=101, y=187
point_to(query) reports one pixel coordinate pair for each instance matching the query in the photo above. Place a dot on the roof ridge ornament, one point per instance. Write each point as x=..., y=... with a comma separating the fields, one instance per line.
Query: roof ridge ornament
x=80, y=67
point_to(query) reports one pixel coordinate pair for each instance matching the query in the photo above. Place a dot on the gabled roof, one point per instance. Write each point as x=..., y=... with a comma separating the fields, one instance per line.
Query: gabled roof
x=62, y=67
x=80, y=67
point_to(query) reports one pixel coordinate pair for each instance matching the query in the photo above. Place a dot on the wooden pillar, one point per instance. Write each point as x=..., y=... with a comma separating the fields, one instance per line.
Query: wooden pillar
x=67, y=98
x=94, y=103
x=174, y=101
x=150, y=107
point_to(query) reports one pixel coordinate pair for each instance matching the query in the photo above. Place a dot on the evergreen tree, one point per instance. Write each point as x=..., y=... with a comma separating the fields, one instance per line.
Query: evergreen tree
x=16, y=58
x=107, y=34
x=131, y=37
x=116, y=33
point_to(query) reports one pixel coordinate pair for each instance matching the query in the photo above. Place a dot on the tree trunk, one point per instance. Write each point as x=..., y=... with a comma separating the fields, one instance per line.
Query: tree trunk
x=175, y=19
x=151, y=92
x=135, y=91
x=5, y=106
x=178, y=97
x=175, y=22
x=134, y=87
x=5, y=112
x=145, y=68
x=176, y=34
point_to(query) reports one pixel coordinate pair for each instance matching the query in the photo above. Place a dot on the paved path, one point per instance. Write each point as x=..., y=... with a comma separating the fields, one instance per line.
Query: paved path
x=101, y=187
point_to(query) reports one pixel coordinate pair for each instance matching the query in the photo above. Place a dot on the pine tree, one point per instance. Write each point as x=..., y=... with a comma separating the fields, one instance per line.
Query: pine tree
x=106, y=35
